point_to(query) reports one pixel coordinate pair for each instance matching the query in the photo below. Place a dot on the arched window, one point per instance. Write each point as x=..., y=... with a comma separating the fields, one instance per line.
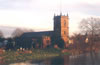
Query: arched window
x=64, y=32
x=64, y=22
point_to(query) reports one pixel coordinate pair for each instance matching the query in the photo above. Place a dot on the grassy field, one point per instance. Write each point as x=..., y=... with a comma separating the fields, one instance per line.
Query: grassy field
x=35, y=54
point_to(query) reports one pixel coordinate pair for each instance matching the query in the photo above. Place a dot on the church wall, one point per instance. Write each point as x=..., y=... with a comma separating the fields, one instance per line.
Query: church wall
x=46, y=41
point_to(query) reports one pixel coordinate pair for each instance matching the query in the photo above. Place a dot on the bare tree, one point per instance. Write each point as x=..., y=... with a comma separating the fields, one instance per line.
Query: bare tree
x=79, y=42
x=18, y=32
x=1, y=34
x=91, y=26
x=1, y=39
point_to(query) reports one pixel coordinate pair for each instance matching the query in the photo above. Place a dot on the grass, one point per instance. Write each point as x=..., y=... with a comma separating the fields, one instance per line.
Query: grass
x=37, y=54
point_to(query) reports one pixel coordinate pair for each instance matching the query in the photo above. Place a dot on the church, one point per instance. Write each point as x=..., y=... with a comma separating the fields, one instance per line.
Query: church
x=59, y=36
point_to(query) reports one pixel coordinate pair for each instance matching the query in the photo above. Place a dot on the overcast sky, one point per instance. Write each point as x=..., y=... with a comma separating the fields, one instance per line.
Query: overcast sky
x=38, y=14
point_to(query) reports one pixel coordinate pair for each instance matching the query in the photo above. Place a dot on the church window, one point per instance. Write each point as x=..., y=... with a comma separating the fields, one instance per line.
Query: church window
x=65, y=32
x=67, y=36
x=64, y=22
x=48, y=41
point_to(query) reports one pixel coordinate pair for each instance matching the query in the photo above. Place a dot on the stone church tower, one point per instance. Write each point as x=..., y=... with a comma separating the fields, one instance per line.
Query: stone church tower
x=61, y=29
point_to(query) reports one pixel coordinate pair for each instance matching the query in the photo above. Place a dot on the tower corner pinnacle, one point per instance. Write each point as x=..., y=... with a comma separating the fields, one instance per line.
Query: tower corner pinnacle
x=67, y=14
